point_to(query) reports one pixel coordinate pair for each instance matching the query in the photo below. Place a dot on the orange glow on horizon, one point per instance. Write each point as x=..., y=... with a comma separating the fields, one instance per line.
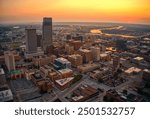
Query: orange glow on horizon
x=132, y=11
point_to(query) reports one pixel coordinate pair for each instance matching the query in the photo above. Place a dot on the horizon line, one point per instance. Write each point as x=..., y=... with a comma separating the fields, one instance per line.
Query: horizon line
x=35, y=22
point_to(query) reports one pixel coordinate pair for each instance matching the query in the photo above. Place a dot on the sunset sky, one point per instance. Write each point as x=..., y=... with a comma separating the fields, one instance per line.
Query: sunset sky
x=129, y=11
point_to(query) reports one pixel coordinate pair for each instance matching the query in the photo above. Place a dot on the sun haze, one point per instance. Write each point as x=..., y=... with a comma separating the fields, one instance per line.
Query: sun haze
x=128, y=11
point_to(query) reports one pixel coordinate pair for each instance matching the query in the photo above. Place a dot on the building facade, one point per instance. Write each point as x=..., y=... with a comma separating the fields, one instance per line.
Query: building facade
x=31, y=40
x=9, y=60
x=95, y=53
x=47, y=32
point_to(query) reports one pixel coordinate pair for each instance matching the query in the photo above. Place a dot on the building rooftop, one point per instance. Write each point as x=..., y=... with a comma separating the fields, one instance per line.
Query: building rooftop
x=74, y=41
x=132, y=69
x=85, y=50
x=65, y=70
x=37, y=76
x=75, y=56
x=64, y=81
x=111, y=49
x=62, y=60
x=84, y=92
x=16, y=72
x=87, y=65
x=146, y=70
x=76, y=98
x=6, y=95
x=138, y=58
x=46, y=67
x=96, y=48
x=103, y=55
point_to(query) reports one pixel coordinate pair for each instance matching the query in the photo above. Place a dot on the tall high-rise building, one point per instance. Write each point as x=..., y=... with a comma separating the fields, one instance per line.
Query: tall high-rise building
x=116, y=63
x=9, y=60
x=31, y=40
x=39, y=40
x=95, y=53
x=47, y=32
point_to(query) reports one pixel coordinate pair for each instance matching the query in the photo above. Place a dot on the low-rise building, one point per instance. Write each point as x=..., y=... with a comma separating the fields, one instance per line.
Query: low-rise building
x=111, y=49
x=61, y=63
x=101, y=74
x=60, y=74
x=28, y=74
x=45, y=86
x=75, y=44
x=86, y=54
x=132, y=70
x=113, y=96
x=69, y=49
x=137, y=60
x=45, y=70
x=17, y=74
x=83, y=93
x=36, y=54
x=6, y=95
x=65, y=73
x=36, y=77
x=64, y=83
x=105, y=57
x=141, y=62
x=87, y=67
x=54, y=75
x=146, y=74
x=43, y=60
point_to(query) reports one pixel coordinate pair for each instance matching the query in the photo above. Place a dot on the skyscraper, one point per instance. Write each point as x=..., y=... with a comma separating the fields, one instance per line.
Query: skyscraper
x=31, y=40
x=9, y=60
x=39, y=40
x=116, y=63
x=47, y=32
x=95, y=53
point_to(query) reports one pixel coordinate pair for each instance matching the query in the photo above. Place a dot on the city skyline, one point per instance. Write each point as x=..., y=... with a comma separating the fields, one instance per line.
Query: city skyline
x=83, y=62
x=74, y=54
x=128, y=11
